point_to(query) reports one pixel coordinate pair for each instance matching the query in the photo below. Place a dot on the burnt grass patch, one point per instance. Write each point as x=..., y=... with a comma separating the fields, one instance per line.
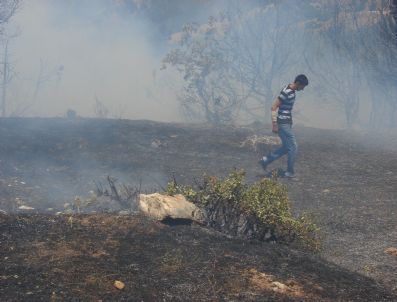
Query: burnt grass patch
x=346, y=181
x=68, y=258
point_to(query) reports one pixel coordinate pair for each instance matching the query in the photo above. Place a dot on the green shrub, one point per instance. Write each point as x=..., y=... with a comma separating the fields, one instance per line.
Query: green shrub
x=266, y=201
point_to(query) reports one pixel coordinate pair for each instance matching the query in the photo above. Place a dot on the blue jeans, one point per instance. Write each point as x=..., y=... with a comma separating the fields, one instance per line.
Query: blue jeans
x=288, y=146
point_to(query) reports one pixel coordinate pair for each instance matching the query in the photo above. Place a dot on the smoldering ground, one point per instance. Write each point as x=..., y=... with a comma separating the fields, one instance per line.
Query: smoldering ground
x=346, y=180
x=347, y=185
x=49, y=162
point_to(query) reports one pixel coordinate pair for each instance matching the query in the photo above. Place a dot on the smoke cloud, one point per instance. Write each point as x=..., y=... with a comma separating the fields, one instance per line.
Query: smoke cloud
x=75, y=54
x=72, y=54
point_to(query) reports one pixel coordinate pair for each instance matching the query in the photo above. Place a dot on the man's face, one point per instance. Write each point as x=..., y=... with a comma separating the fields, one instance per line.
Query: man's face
x=300, y=87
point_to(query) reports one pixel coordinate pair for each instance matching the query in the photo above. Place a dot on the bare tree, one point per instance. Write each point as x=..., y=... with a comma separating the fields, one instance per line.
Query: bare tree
x=334, y=59
x=7, y=10
x=205, y=65
x=232, y=63
x=381, y=66
x=100, y=110
x=45, y=75
x=354, y=56
x=6, y=78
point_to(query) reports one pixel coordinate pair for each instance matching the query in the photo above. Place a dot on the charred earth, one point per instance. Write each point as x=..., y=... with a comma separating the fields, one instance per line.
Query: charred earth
x=346, y=180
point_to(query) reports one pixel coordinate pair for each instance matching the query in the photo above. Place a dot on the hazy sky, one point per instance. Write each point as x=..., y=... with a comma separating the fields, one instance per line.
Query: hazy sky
x=67, y=54
x=87, y=50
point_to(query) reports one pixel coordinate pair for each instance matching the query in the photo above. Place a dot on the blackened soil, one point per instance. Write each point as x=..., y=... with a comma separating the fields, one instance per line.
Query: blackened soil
x=347, y=180
x=78, y=258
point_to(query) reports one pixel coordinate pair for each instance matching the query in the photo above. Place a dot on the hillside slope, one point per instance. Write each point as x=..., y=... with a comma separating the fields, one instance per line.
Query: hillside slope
x=346, y=180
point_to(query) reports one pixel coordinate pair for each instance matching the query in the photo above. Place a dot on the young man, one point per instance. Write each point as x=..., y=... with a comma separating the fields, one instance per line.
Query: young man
x=282, y=124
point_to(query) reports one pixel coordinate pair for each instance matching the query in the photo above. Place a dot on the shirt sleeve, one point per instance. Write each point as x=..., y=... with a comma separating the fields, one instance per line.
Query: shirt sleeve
x=283, y=96
x=286, y=94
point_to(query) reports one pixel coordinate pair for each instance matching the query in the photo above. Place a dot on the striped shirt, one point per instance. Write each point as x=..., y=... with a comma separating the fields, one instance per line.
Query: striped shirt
x=287, y=99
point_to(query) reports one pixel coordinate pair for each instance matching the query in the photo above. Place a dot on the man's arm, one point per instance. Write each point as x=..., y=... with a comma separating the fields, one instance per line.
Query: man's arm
x=275, y=105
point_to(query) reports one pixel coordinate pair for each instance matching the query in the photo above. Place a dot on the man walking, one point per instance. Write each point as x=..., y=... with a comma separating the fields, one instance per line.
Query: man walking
x=282, y=124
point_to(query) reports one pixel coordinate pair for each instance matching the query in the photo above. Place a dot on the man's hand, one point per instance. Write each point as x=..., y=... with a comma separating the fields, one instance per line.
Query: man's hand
x=276, y=104
x=275, y=127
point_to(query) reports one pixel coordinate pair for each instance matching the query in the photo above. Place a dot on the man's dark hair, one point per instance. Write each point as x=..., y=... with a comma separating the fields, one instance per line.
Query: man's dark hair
x=302, y=79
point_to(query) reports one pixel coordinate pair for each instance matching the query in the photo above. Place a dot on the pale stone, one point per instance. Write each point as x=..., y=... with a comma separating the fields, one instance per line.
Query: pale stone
x=391, y=251
x=25, y=208
x=278, y=286
x=118, y=284
x=159, y=207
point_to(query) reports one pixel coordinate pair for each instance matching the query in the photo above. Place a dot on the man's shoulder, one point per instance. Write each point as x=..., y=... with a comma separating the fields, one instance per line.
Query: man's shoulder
x=287, y=93
x=287, y=90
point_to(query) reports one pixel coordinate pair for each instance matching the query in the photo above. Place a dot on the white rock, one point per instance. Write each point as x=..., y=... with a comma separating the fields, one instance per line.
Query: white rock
x=278, y=286
x=124, y=213
x=25, y=208
x=159, y=206
x=391, y=251
x=118, y=284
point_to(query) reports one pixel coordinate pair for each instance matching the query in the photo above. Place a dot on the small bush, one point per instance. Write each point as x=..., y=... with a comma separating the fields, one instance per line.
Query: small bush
x=260, y=210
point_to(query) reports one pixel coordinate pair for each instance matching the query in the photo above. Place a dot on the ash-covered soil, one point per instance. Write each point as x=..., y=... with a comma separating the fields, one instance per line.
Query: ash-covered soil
x=347, y=180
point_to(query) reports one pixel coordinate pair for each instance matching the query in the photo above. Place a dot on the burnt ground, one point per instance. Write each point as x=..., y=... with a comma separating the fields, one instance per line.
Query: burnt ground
x=346, y=180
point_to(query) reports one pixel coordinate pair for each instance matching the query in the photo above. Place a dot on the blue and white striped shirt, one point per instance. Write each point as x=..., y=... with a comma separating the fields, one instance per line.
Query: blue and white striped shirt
x=287, y=99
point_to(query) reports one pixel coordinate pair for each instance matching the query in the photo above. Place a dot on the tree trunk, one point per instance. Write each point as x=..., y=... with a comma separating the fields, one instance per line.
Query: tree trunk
x=268, y=100
x=5, y=82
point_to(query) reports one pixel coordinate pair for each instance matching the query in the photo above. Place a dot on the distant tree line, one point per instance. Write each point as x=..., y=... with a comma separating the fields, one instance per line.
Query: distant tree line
x=363, y=47
x=8, y=8
x=234, y=63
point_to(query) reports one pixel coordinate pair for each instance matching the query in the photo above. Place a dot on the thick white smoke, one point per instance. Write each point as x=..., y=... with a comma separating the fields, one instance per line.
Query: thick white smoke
x=70, y=54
